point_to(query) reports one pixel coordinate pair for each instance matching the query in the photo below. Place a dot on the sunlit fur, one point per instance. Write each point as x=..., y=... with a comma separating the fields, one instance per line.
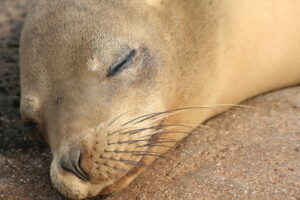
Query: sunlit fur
x=194, y=59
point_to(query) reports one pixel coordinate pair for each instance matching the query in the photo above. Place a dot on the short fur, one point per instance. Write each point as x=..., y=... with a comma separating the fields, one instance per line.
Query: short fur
x=190, y=53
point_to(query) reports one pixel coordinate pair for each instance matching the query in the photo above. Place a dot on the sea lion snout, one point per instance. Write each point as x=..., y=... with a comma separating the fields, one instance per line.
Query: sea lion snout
x=72, y=169
x=70, y=179
x=100, y=160
x=72, y=163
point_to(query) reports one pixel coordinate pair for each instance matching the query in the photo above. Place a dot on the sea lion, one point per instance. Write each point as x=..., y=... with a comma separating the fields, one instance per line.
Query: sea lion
x=114, y=84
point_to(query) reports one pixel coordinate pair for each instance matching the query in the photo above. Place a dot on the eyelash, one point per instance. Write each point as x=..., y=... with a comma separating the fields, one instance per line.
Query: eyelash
x=119, y=66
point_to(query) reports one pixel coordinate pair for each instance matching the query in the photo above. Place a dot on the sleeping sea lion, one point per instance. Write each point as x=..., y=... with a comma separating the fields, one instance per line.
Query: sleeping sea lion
x=114, y=84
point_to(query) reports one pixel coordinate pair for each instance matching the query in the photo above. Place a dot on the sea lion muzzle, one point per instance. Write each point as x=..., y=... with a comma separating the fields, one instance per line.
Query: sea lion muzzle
x=71, y=163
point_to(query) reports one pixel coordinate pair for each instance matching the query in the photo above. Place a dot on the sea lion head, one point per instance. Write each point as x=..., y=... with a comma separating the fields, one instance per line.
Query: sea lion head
x=95, y=77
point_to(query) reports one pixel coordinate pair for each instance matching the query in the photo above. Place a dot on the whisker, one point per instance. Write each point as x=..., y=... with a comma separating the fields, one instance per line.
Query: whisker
x=151, y=115
x=115, y=168
x=130, y=141
x=171, y=112
x=110, y=134
x=163, y=117
x=138, y=118
x=160, y=118
x=161, y=142
x=131, y=132
x=179, y=125
x=137, y=130
x=159, y=145
x=162, y=132
x=163, y=139
x=154, y=145
x=128, y=162
x=152, y=134
x=114, y=120
x=130, y=152
x=156, y=155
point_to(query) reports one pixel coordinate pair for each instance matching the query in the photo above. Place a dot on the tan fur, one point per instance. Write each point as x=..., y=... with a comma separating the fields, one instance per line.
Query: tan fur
x=189, y=53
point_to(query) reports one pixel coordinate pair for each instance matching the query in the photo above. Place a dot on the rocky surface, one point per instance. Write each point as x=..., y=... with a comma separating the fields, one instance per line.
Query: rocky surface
x=242, y=154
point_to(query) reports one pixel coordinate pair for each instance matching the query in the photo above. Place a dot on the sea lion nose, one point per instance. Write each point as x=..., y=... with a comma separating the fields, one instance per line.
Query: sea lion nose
x=71, y=163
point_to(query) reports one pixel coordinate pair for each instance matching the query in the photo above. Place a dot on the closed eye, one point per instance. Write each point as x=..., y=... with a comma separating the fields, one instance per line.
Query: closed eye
x=122, y=64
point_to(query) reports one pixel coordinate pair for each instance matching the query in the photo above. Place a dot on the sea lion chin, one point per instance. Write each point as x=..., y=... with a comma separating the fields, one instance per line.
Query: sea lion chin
x=115, y=84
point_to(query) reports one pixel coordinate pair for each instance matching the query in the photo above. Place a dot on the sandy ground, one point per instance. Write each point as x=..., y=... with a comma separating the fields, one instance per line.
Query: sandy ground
x=242, y=154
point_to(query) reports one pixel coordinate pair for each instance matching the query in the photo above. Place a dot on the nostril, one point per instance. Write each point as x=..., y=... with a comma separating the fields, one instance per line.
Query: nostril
x=71, y=163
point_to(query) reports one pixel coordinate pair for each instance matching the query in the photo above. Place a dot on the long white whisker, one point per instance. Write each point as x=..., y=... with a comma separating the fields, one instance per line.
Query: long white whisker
x=179, y=110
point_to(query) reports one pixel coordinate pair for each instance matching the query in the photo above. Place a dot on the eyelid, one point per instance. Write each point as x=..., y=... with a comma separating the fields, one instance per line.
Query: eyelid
x=115, y=69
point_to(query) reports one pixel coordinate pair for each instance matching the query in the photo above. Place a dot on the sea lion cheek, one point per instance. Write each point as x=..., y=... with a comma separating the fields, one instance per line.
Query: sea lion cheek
x=30, y=105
